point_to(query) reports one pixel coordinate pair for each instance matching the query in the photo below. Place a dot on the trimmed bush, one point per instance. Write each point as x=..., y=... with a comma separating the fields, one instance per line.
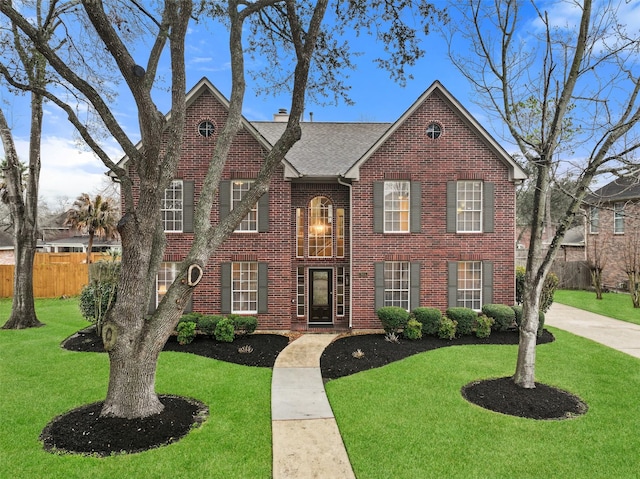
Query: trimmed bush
x=393, y=318
x=429, y=318
x=447, y=329
x=208, y=322
x=518, y=313
x=225, y=331
x=413, y=329
x=244, y=325
x=548, y=289
x=520, y=273
x=502, y=315
x=465, y=319
x=483, y=326
x=186, y=332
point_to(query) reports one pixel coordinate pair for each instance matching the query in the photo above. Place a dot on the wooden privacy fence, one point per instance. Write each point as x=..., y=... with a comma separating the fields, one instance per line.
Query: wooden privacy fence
x=54, y=275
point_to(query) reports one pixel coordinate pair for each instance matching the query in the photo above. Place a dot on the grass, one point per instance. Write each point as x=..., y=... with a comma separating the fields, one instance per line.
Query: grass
x=39, y=380
x=613, y=305
x=409, y=420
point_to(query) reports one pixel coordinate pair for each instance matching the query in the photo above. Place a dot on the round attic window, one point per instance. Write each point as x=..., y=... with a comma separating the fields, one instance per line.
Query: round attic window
x=206, y=128
x=434, y=130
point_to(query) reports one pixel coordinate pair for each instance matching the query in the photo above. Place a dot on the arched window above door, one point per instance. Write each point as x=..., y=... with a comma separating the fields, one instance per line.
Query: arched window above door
x=320, y=227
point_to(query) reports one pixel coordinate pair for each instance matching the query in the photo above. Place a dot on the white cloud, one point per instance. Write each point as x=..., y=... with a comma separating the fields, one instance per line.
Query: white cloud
x=67, y=170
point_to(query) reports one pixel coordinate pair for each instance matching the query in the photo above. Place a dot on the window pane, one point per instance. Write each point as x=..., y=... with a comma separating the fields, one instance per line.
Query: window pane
x=618, y=218
x=166, y=275
x=470, y=284
x=171, y=207
x=340, y=232
x=244, y=287
x=396, y=284
x=320, y=227
x=238, y=190
x=594, y=220
x=299, y=232
x=396, y=206
x=469, y=206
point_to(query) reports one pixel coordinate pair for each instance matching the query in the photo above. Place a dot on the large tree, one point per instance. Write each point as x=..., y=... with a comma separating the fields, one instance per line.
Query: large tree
x=567, y=92
x=292, y=35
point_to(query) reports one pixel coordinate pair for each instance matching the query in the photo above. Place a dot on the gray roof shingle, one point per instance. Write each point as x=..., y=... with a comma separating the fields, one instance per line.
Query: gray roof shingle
x=326, y=149
x=621, y=189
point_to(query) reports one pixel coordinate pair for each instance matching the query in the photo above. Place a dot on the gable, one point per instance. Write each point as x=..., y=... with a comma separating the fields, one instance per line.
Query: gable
x=416, y=119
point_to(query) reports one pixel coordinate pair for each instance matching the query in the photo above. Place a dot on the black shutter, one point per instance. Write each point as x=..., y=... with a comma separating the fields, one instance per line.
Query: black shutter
x=452, y=206
x=487, y=282
x=225, y=288
x=379, y=285
x=378, y=207
x=224, y=201
x=414, y=294
x=452, y=284
x=263, y=288
x=488, y=207
x=415, y=212
x=263, y=213
x=187, y=206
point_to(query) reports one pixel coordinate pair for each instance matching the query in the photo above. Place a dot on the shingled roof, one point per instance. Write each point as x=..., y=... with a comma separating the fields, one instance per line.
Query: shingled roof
x=621, y=189
x=326, y=149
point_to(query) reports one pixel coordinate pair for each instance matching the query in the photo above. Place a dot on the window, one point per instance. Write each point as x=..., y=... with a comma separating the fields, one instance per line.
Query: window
x=594, y=220
x=618, y=218
x=469, y=288
x=320, y=227
x=206, y=129
x=299, y=232
x=166, y=275
x=396, y=206
x=434, y=130
x=340, y=291
x=469, y=207
x=396, y=284
x=244, y=287
x=300, y=292
x=172, y=207
x=340, y=232
x=249, y=222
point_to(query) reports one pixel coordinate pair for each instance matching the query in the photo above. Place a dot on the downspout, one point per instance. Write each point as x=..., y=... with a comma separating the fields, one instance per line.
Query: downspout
x=348, y=185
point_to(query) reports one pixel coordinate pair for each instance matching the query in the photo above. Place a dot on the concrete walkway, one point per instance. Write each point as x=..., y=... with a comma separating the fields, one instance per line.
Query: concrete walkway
x=306, y=440
x=616, y=334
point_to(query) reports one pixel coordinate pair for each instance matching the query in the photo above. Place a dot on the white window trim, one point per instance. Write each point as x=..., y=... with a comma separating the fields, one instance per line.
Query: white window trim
x=233, y=290
x=254, y=209
x=618, y=214
x=594, y=218
x=172, y=273
x=459, y=212
x=384, y=208
x=174, y=210
x=408, y=288
x=458, y=289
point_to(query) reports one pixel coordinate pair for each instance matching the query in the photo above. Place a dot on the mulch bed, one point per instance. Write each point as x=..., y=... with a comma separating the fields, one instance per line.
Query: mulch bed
x=83, y=430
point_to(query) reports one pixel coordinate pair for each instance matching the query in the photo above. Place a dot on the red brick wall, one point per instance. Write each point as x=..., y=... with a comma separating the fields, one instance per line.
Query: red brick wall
x=613, y=246
x=457, y=154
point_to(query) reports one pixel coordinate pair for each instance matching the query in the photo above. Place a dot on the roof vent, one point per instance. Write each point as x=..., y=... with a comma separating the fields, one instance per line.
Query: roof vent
x=281, y=116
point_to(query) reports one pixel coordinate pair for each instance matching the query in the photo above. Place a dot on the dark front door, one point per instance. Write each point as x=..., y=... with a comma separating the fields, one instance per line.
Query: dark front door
x=321, y=296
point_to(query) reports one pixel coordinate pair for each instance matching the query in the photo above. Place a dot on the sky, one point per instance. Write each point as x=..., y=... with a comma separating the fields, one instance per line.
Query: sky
x=69, y=169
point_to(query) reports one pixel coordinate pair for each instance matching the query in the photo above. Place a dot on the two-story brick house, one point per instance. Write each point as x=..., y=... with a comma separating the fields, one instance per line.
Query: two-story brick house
x=613, y=225
x=419, y=212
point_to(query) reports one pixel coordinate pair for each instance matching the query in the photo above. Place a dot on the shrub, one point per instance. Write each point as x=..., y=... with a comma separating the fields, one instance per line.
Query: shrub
x=393, y=318
x=429, y=318
x=207, y=323
x=518, y=313
x=96, y=300
x=193, y=316
x=520, y=273
x=225, y=331
x=483, y=326
x=413, y=329
x=447, y=329
x=186, y=332
x=548, y=289
x=502, y=315
x=244, y=325
x=465, y=318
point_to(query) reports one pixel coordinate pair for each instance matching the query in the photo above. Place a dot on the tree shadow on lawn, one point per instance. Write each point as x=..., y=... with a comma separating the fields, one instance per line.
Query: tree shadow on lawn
x=84, y=431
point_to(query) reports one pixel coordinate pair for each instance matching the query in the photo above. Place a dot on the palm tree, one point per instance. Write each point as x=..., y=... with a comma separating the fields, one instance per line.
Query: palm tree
x=97, y=217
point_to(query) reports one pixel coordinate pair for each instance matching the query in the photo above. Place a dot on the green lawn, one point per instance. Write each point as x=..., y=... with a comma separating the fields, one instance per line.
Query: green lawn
x=613, y=305
x=408, y=419
x=39, y=380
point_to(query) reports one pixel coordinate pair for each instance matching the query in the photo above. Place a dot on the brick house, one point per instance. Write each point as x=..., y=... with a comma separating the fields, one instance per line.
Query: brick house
x=419, y=212
x=613, y=222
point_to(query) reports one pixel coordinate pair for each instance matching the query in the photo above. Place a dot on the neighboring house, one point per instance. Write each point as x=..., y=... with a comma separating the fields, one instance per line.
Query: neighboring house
x=419, y=212
x=613, y=222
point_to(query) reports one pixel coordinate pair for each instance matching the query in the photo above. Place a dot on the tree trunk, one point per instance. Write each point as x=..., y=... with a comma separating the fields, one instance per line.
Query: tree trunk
x=526, y=363
x=131, y=393
x=23, y=311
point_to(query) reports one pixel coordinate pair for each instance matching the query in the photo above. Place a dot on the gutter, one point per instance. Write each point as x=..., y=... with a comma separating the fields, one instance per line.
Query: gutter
x=348, y=185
